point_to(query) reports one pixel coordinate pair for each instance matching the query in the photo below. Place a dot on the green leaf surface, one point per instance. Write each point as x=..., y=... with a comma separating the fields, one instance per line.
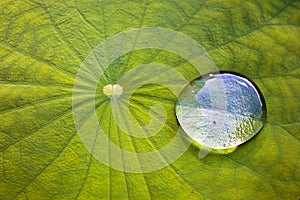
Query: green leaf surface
x=43, y=44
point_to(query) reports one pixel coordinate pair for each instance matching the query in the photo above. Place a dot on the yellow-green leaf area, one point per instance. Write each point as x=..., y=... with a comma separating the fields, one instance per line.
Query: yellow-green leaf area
x=43, y=44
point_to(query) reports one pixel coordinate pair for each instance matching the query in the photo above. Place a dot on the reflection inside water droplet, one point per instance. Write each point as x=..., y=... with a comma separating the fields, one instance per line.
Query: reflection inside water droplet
x=221, y=111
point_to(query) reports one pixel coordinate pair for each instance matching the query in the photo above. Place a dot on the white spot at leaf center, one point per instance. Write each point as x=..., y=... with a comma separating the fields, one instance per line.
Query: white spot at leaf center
x=113, y=91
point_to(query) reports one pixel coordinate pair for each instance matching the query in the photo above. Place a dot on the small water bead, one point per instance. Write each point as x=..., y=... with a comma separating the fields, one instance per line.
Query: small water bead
x=221, y=111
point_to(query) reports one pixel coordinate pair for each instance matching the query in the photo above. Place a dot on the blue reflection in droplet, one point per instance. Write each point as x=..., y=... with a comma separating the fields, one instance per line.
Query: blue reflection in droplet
x=241, y=96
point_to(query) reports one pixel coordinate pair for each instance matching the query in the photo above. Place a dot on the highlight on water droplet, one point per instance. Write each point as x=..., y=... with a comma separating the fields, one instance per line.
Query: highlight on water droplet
x=113, y=91
x=221, y=111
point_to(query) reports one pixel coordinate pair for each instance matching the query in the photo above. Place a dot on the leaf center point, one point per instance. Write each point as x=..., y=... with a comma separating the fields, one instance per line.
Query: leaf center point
x=113, y=91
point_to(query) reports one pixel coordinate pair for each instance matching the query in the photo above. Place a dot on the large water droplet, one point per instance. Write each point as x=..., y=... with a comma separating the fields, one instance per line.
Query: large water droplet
x=221, y=111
